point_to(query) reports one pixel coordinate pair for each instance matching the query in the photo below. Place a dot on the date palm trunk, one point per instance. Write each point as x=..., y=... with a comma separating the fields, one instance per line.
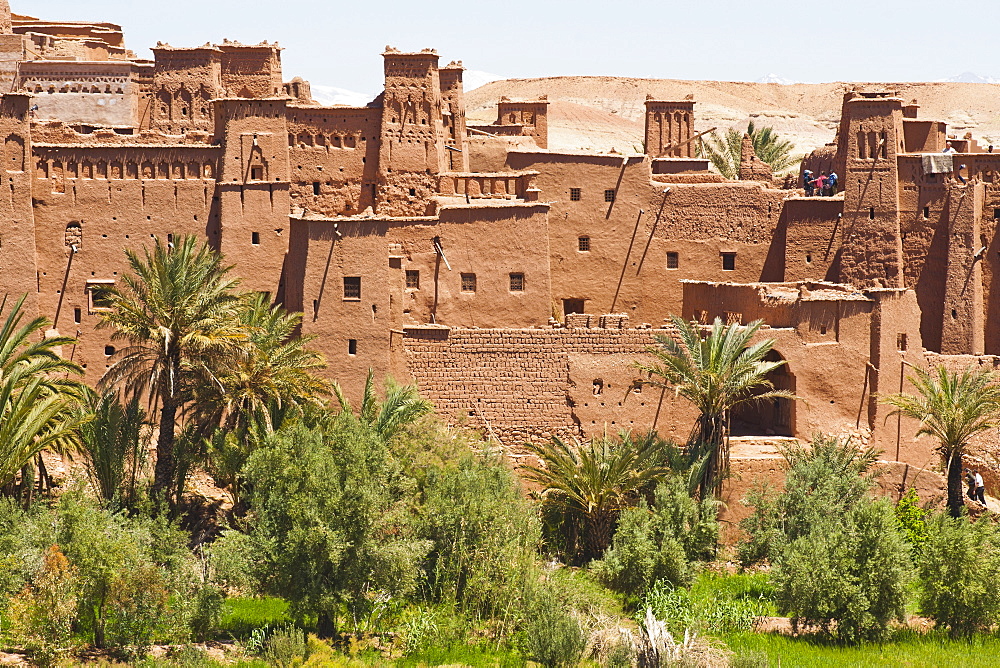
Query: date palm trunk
x=956, y=500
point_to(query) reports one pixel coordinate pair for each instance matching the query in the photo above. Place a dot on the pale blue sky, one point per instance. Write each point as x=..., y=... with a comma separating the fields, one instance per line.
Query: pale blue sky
x=337, y=42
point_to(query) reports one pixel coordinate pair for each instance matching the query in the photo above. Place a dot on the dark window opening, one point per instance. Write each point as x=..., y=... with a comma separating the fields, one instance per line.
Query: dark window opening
x=673, y=260
x=871, y=213
x=468, y=282
x=170, y=238
x=77, y=315
x=609, y=195
x=901, y=342
x=109, y=351
x=352, y=287
x=517, y=282
x=996, y=214
x=352, y=346
x=927, y=212
x=728, y=261
x=413, y=279
x=257, y=173
x=101, y=296
x=954, y=314
x=822, y=330
x=413, y=192
x=583, y=244
x=315, y=187
x=574, y=194
x=809, y=258
x=573, y=306
x=255, y=238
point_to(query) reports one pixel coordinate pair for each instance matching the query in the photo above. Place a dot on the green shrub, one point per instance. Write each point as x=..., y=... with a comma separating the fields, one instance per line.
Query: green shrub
x=912, y=520
x=207, y=615
x=959, y=573
x=42, y=616
x=853, y=574
x=483, y=537
x=824, y=480
x=286, y=647
x=660, y=542
x=327, y=529
x=552, y=636
x=138, y=576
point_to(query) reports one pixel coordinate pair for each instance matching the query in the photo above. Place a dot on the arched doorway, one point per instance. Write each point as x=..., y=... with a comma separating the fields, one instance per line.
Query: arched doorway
x=769, y=417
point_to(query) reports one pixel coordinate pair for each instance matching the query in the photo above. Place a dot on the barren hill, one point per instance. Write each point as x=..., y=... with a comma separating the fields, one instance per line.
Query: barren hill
x=601, y=113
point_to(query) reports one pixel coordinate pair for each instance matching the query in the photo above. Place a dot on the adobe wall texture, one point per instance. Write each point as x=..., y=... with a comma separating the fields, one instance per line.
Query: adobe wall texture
x=515, y=284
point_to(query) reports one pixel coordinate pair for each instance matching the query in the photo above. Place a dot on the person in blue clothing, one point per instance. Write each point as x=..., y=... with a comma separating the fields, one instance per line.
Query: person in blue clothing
x=807, y=182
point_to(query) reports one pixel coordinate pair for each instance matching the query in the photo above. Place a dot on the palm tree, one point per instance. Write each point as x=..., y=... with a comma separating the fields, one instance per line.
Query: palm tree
x=252, y=394
x=39, y=402
x=717, y=373
x=725, y=151
x=178, y=311
x=402, y=406
x=596, y=479
x=113, y=444
x=952, y=407
x=276, y=372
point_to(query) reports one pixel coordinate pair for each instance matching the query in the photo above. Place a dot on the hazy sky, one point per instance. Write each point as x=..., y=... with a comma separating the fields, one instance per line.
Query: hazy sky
x=338, y=42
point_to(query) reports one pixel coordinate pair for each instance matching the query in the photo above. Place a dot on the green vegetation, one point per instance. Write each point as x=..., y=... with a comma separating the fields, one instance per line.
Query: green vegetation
x=909, y=649
x=177, y=311
x=724, y=151
x=717, y=372
x=952, y=407
x=590, y=483
x=383, y=536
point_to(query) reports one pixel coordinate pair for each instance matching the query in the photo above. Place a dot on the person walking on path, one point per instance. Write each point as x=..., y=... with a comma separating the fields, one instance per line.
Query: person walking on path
x=980, y=488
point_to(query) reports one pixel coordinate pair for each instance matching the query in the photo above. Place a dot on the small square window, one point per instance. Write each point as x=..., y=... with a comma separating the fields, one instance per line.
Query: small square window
x=413, y=279
x=77, y=315
x=574, y=194
x=901, y=342
x=413, y=192
x=609, y=195
x=468, y=282
x=100, y=296
x=257, y=173
x=583, y=244
x=316, y=188
x=673, y=260
x=728, y=261
x=352, y=287
x=927, y=212
x=255, y=238
x=517, y=282
x=352, y=346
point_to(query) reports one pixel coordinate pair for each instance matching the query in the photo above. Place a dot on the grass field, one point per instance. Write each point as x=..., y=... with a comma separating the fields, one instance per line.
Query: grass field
x=907, y=649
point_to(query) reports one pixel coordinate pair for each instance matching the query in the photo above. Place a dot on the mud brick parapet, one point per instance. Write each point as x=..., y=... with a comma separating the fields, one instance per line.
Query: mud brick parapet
x=516, y=384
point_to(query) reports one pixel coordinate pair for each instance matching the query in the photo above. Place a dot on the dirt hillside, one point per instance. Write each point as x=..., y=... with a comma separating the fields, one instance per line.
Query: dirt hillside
x=601, y=113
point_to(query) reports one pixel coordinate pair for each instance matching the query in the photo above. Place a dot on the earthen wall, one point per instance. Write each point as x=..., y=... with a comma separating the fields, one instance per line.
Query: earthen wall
x=334, y=157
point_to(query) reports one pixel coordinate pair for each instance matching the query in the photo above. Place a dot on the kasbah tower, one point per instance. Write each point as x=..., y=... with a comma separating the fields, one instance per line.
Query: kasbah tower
x=514, y=283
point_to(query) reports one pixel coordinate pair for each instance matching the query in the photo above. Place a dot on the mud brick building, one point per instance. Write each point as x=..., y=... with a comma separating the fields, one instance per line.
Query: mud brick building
x=516, y=284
